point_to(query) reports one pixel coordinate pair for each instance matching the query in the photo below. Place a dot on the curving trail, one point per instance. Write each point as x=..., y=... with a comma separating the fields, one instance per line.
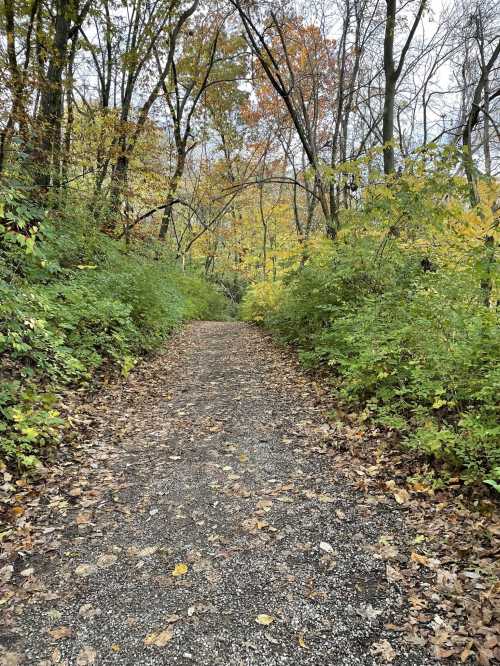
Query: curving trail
x=213, y=462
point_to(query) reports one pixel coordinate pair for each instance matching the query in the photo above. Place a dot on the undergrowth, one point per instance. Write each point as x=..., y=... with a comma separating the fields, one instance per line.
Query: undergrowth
x=74, y=302
x=398, y=318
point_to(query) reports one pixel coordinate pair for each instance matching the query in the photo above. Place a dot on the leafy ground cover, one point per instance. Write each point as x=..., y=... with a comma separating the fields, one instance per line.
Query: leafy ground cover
x=75, y=305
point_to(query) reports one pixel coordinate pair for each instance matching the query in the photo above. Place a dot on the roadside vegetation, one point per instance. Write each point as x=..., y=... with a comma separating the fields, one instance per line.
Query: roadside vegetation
x=328, y=171
x=76, y=305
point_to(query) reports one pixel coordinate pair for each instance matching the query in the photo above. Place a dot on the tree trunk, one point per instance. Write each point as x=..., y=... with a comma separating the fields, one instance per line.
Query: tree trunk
x=172, y=191
x=47, y=152
x=390, y=88
x=392, y=74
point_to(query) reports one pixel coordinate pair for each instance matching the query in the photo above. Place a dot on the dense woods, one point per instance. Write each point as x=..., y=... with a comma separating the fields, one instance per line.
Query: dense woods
x=328, y=170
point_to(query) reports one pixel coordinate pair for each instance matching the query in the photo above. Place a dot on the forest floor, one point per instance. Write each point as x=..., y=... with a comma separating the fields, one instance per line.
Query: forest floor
x=209, y=513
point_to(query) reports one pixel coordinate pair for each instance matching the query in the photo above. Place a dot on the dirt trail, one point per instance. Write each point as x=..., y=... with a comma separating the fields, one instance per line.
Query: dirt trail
x=213, y=455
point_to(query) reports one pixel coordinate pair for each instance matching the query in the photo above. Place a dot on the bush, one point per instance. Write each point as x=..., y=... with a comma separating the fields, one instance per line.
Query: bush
x=76, y=302
x=260, y=301
x=416, y=350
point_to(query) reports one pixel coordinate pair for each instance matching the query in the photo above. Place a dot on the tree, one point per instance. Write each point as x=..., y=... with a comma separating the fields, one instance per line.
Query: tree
x=393, y=73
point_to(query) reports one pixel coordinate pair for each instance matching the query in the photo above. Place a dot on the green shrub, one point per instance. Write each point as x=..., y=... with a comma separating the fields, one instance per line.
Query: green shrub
x=416, y=350
x=79, y=301
x=29, y=423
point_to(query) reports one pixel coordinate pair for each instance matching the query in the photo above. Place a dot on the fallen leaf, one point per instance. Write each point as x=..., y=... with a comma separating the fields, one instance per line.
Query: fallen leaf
x=384, y=649
x=6, y=573
x=170, y=619
x=11, y=659
x=161, y=638
x=179, y=570
x=86, y=656
x=88, y=611
x=60, y=632
x=105, y=561
x=326, y=498
x=85, y=569
x=264, y=619
x=401, y=496
x=326, y=547
x=264, y=505
x=54, y=614
x=419, y=559
x=27, y=572
x=83, y=518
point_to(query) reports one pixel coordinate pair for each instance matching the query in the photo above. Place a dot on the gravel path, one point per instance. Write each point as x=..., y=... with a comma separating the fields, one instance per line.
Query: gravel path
x=210, y=526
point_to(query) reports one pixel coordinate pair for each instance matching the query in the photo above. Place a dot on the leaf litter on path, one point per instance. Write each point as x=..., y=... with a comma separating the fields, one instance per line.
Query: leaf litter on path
x=201, y=511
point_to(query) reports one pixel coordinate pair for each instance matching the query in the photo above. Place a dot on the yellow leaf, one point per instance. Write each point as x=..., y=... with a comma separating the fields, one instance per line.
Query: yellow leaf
x=161, y=638
x=180, y=570
x=164, y=637
x=326, y=498
x=264, y=619
x=438, y=403
x=301, y=641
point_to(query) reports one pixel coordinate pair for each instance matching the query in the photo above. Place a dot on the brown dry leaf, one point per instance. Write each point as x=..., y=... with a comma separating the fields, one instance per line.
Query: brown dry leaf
x=115, y=647
x=170, y=619
x=401, y=496
x=60, y=632
x=264, y=619
x=384, y=649
x=264, y=505
x=252, y=524
x=85, y=569
x=179, y=570
x=107, y=560
x=83, y=518
x=340, y=514
x=485, y=657
x=161, y=638
x=441, y=653
x=393, y=574
x=419, y=559
x=86, y=657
